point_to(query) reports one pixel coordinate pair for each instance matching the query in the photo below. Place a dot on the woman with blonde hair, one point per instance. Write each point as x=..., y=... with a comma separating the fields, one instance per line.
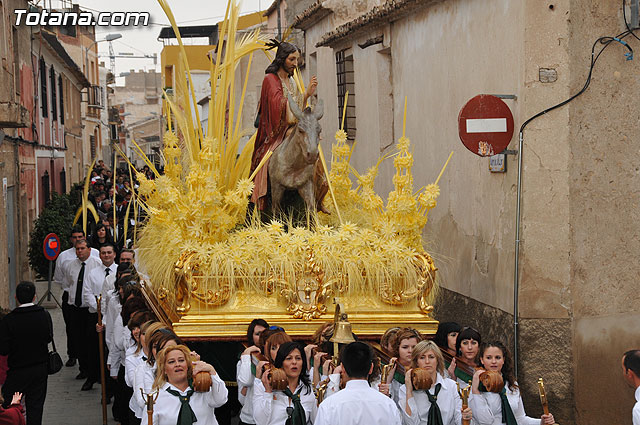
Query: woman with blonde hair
x=177, y=402
x=438, y=405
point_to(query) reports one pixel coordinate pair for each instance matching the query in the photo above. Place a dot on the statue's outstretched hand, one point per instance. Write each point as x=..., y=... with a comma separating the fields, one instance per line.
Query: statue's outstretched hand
x=313, y=84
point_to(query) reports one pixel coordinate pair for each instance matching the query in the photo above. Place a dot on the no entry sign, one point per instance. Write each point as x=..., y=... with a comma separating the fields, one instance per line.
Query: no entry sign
x=485, y=125
x=51, y=246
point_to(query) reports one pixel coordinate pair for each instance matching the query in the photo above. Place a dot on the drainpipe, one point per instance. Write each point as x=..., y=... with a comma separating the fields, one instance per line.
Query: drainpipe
x=516, y=269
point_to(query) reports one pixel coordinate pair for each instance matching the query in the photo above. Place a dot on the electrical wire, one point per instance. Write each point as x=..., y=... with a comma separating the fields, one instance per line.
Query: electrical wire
x=606, y=42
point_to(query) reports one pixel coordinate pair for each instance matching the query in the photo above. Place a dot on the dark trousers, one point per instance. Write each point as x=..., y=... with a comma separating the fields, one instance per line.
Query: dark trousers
x=67, y=314
x=32, y=383
x=121, y=399
x=79, y=317
x=90, y=342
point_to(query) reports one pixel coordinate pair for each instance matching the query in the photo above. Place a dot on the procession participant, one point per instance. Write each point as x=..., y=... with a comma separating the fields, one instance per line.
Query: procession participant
x=403, y=343
x=244, y=376
x=445, y=338
x=504, y=408
x=387, y=338
x=58, y=277
x=631, y=372
x=25, y=333
x=141, y=368
x=357, y=403
x=145, y=376
x=177, y=401
x=467, y=346
x=446, y=335
x=76, y=283
x=271, y=347
x=275, y=119
x=441, y=403
x=134, y=357
x=113, y=309
x=295, y=404
x=99, y=237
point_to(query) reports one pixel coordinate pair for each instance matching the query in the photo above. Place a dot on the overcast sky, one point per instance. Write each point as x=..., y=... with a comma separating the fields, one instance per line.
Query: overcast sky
x=144, y=40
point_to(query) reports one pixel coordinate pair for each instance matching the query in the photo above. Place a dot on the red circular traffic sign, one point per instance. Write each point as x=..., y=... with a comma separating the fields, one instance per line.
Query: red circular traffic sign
x=51, y=246
x=485, y=125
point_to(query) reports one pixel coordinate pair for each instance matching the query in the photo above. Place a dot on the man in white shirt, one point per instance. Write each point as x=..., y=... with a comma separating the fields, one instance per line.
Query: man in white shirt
x=58, y=277
x=76, y=277
x=631, y=372
x=357, y=403
x=92, y=289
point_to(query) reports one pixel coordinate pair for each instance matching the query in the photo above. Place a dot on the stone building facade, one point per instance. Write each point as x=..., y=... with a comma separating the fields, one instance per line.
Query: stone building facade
x=577, y=294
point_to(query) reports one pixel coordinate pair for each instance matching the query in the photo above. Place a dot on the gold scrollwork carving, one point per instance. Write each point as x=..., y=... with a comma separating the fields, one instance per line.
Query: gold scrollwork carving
x=426, y=272
x=188, y=282
x=307, y=296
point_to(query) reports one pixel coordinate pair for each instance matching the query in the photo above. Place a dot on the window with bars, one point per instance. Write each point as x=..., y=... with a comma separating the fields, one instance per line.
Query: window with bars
x=43, y=89
x=346, y=83
x=61, y=94
x=54, y=101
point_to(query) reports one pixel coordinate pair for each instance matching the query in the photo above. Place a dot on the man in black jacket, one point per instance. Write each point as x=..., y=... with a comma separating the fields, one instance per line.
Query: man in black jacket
x=24, y=336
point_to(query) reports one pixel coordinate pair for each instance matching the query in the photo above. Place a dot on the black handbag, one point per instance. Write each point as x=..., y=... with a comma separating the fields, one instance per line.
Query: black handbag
x=54, y=362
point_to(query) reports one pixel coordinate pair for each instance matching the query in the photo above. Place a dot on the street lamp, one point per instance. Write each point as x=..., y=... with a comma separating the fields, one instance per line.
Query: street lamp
x=108, y=37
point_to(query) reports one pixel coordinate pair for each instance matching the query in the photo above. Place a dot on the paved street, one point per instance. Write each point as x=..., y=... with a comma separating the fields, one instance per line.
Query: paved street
x=66, y=404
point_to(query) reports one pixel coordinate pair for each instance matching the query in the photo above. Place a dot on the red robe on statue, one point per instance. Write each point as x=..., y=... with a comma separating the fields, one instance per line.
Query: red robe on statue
x=271, y=131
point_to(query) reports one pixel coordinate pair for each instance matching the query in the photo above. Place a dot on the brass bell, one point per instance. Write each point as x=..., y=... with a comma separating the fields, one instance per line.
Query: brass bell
x=342, y=333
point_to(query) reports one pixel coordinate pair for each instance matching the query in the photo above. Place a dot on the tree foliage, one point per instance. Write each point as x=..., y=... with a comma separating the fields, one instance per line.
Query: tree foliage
x=56, y=217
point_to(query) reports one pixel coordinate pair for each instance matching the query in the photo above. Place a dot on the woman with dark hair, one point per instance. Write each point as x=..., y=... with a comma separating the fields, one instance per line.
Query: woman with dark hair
x=99, y=237
x=446, y=335
x=467, y=346
x=244, y=376
x=294, y=405
x=505, y=406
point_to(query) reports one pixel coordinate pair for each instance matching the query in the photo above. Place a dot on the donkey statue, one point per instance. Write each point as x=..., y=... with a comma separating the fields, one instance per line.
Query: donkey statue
x=292, y=165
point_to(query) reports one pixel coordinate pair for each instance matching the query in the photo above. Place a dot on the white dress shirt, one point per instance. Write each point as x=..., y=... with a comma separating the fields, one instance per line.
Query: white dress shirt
x=636, y=408
x=143, y=378
x=93, y=285
x=334, y=384
x=63, y=257
x=245, y=380
x=448, y=401
x=271, y=408
x=167, y=407
x=487, y=408
x=72, y=270
x=132, y=362
x=358, y=404
x=113, y=312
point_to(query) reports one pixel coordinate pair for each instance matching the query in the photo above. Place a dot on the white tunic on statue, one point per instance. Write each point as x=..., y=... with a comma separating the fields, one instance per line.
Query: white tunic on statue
x=167, y=406
x=358, y=404
x=449, y=403
x=245, y=380
x=271, y=408
x=487, y=408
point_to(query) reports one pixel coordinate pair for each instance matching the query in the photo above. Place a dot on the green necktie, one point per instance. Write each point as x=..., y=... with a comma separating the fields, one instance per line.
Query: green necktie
x=186, y=415
x=508, y=417
x=507, y=414
x=435, y=416
x=297, y=416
